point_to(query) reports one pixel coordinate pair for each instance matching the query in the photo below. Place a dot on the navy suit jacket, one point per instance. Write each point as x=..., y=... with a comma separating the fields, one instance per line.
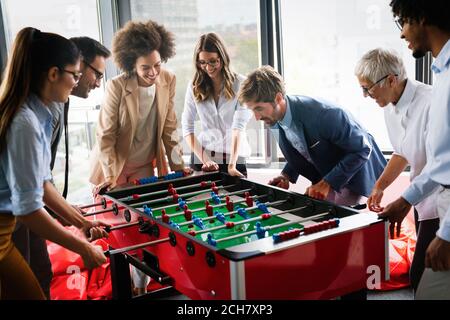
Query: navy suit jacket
x=344, y=154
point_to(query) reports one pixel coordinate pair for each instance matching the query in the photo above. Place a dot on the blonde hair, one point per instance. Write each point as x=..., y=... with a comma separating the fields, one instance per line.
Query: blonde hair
x=261, y=85
x=378, y=63
x=202, y=84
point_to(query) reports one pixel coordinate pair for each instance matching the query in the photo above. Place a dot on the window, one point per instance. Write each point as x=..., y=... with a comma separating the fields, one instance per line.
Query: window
x=235, y=21
x=69, y=18
x=323, y=40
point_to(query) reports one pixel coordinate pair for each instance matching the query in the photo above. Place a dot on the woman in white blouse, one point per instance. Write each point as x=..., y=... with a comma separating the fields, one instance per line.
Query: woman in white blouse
x=406, y=104
x=221, y=143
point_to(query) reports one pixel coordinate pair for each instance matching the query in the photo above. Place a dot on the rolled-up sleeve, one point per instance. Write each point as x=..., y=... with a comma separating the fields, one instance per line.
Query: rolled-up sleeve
x=241, y=117
x=421, y=187
x=26, y=171
x=189, y=113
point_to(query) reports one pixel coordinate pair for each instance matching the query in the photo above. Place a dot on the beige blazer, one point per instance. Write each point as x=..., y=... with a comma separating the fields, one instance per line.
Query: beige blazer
x=117, y=123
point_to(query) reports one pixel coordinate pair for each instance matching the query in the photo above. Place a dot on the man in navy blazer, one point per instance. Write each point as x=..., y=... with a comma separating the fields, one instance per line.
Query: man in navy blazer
x=319, y=140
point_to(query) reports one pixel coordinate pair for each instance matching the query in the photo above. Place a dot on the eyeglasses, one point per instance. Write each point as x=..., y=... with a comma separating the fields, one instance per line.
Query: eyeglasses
x=76, y=75
x=399, y=22
x=366, y=91
x=212, y=63
x=98, y=75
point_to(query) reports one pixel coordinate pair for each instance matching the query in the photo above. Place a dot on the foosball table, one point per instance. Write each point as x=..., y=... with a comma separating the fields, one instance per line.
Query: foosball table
x=214, y=236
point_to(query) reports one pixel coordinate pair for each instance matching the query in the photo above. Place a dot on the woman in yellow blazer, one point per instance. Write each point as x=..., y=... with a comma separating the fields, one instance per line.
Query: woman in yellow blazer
x=137, y=124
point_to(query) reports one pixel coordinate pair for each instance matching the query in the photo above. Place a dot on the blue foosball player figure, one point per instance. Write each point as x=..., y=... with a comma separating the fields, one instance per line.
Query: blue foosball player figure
x=220, y=216
x=148, y=211
x=211, y=240
x=243, y=213
x=198, y=222
x=260, y=230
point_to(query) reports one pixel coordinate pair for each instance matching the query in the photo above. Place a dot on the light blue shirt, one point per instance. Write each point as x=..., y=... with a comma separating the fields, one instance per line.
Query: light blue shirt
x=294, y=133
x=25, y=161
x=437, y=169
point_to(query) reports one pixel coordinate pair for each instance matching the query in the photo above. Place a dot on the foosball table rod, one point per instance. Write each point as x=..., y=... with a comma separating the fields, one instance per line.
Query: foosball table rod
x=122, y=226
x=284, y=224
x=176, y=205
x=202, y=184
x=103, y=203
x=114, y=209
x=234, y=212
x=261, y=217
x=176, y=196
x=174, y=215
x=135, y=247
x=224, y=204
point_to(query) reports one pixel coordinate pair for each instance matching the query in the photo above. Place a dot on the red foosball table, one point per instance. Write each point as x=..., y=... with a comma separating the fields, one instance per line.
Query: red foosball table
x=214, y=236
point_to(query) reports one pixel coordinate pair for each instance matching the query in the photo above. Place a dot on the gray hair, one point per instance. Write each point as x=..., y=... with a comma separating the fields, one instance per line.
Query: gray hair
x=378, y=63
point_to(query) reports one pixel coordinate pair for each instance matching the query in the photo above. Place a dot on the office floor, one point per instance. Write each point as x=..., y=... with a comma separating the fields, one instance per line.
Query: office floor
x=402, y=294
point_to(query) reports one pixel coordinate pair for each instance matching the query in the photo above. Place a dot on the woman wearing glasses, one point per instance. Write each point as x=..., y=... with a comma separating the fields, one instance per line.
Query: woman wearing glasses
x=137, y=122
x=42, y=71
x=212, y=96
x=406, y=105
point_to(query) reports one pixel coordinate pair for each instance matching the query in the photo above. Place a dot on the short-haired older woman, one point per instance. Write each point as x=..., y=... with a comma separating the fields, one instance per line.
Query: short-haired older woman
x=406, y=104
x=137, y=121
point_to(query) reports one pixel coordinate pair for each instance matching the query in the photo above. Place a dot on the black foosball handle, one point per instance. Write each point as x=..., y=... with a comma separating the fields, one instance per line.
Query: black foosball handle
x=361, y=206
x=103, y=190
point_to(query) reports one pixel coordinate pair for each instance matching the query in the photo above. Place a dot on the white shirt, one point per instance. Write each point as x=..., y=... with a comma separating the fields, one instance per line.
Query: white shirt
x=217, y=123
x=437, y=170
x=143, y=149
x=407, y=124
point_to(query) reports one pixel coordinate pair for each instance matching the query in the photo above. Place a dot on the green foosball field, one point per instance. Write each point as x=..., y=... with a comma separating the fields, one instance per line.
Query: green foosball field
x=220, y=230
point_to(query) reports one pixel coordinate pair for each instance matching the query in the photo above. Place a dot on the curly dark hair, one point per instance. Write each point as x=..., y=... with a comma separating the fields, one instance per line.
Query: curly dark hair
x=137, y=39
x=433, y=12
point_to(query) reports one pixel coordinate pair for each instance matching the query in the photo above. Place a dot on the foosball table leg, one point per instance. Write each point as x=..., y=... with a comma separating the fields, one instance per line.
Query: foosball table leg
x=120, y=277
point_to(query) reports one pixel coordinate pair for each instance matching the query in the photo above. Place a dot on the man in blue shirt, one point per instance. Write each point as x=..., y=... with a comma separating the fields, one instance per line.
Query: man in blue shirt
x=425, y=25
x=319, y=140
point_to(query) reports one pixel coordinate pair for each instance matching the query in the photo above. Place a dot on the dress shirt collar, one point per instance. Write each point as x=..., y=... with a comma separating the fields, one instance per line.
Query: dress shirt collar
x=42, y=111
x=442, y=60
x=407, y=96
x=286, y=122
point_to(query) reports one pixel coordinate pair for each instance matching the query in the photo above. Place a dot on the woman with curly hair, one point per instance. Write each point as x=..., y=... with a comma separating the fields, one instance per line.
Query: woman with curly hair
x=137, y=121
x=212, y=96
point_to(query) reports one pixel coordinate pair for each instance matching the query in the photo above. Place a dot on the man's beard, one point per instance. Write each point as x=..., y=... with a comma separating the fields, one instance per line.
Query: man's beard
x=419, y=54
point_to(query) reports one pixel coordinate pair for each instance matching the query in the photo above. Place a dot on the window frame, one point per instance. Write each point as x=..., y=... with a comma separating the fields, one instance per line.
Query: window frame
x=113, y=14
x=3, y=44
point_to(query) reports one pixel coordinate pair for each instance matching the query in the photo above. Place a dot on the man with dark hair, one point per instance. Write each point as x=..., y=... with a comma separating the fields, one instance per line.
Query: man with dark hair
x=93, y=65
x=31, y=246
x=425, y=25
